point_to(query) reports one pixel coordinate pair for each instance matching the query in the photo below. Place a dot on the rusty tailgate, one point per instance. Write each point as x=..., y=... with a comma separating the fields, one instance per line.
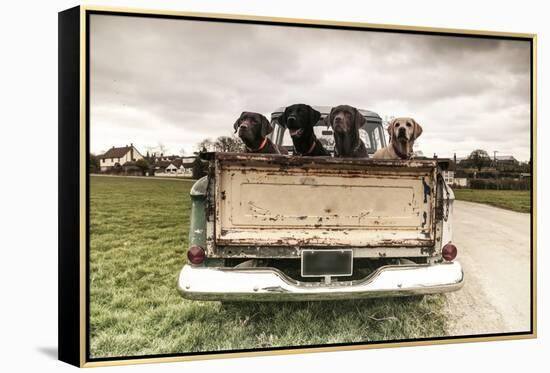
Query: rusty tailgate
x=268, y=200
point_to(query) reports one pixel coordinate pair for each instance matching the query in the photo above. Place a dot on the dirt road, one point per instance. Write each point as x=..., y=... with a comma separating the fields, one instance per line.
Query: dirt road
x=494, y=249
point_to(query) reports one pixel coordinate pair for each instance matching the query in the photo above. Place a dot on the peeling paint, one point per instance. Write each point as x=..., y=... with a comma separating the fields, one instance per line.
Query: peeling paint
x=260, y=204
x=427, y=190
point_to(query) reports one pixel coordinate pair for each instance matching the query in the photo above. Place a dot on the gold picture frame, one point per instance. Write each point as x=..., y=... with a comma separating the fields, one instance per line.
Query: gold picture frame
x=74, y=191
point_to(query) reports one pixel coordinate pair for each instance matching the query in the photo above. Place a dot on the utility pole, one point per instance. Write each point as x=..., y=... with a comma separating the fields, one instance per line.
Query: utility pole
x=495, y=163
x=454, y=159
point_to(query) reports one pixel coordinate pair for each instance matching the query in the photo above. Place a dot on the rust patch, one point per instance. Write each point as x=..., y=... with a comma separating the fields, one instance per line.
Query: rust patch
x=427, y=190
x=250, y=217
x=430, y=250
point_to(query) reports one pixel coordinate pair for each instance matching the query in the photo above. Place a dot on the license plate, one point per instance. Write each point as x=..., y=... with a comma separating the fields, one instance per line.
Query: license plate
x=321, y=263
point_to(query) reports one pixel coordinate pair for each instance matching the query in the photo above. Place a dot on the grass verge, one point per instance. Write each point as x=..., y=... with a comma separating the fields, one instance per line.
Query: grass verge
x=138, y=233
x=515, y=200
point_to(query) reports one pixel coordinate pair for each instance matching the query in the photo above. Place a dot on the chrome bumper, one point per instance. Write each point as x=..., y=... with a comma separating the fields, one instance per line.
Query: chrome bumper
x=270, y=284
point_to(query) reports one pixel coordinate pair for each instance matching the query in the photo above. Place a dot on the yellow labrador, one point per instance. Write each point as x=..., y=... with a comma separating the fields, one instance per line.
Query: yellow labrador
x=403, y=132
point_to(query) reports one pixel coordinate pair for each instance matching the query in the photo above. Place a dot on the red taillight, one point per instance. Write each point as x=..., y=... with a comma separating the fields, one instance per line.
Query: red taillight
x=196, y=255
x=449, y=252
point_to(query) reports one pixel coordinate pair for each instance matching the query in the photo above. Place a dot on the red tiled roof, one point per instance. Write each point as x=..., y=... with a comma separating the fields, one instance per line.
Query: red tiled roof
x=162, y=164
x=116, y=152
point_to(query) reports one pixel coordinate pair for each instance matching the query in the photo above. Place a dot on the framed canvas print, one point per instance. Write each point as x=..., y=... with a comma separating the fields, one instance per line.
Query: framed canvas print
x=237, y=185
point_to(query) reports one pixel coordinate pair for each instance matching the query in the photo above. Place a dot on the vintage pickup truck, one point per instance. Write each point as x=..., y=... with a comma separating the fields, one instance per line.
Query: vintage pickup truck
x=290, y=228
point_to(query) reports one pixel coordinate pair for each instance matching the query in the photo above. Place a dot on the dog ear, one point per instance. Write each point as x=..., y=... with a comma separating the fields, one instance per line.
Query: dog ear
x=282, y=119
x=314, y=116
x=326, y=121
x=359, y=119
x=267, y=128
x=390, y=128
x=329, y=118
x=237, y=122
x=417, y=129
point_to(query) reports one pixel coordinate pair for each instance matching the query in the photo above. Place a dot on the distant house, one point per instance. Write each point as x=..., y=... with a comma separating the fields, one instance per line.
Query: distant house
x=460, y=181
x=118, y=157
x=452, y=180
x=160, y=166
x=506, y=160
x=182, y=166
x=448, y=176
x=185, y=167
x=525, y=175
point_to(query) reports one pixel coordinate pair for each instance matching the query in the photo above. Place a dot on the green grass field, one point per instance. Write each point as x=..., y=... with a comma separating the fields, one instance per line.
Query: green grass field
x=516, y=200
x=138, y=238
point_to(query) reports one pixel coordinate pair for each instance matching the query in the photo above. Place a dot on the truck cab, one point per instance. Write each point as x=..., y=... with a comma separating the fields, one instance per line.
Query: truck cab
x=372, y=132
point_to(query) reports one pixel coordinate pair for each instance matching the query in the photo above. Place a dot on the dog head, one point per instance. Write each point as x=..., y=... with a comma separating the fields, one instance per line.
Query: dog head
x=252, y=127
x=404, y=130
x=299, y=119
x=345, y=119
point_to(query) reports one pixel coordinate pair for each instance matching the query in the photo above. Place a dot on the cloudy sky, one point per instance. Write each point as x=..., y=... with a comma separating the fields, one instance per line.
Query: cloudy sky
x=176, y=82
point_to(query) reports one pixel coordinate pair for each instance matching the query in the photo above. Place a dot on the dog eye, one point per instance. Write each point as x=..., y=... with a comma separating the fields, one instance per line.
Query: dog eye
x=397, y=124
x=409, y=124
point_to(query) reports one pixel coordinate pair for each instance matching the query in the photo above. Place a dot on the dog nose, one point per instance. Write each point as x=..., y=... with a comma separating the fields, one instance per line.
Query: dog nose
x=291, y=118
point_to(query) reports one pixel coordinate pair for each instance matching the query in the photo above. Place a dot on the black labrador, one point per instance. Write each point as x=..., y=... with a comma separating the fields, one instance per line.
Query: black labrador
x=345, y=121
x=253, y=128
x=300, y=119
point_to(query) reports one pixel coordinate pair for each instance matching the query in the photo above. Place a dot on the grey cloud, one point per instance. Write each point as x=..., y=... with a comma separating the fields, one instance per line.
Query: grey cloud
x=176, y=81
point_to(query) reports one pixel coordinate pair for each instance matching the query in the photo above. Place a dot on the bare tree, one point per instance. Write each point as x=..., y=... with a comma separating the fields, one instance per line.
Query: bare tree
x=228, y=144
x=150, y=149
x=221, y=144
x=156, y=150
x=161, y=148
x=206, y=144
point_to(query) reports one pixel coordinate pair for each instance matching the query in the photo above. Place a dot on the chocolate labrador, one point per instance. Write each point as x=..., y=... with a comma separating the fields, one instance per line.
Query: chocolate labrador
x=403, y=132
x=300, y=119
x=253, y=128
x=346, y=121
